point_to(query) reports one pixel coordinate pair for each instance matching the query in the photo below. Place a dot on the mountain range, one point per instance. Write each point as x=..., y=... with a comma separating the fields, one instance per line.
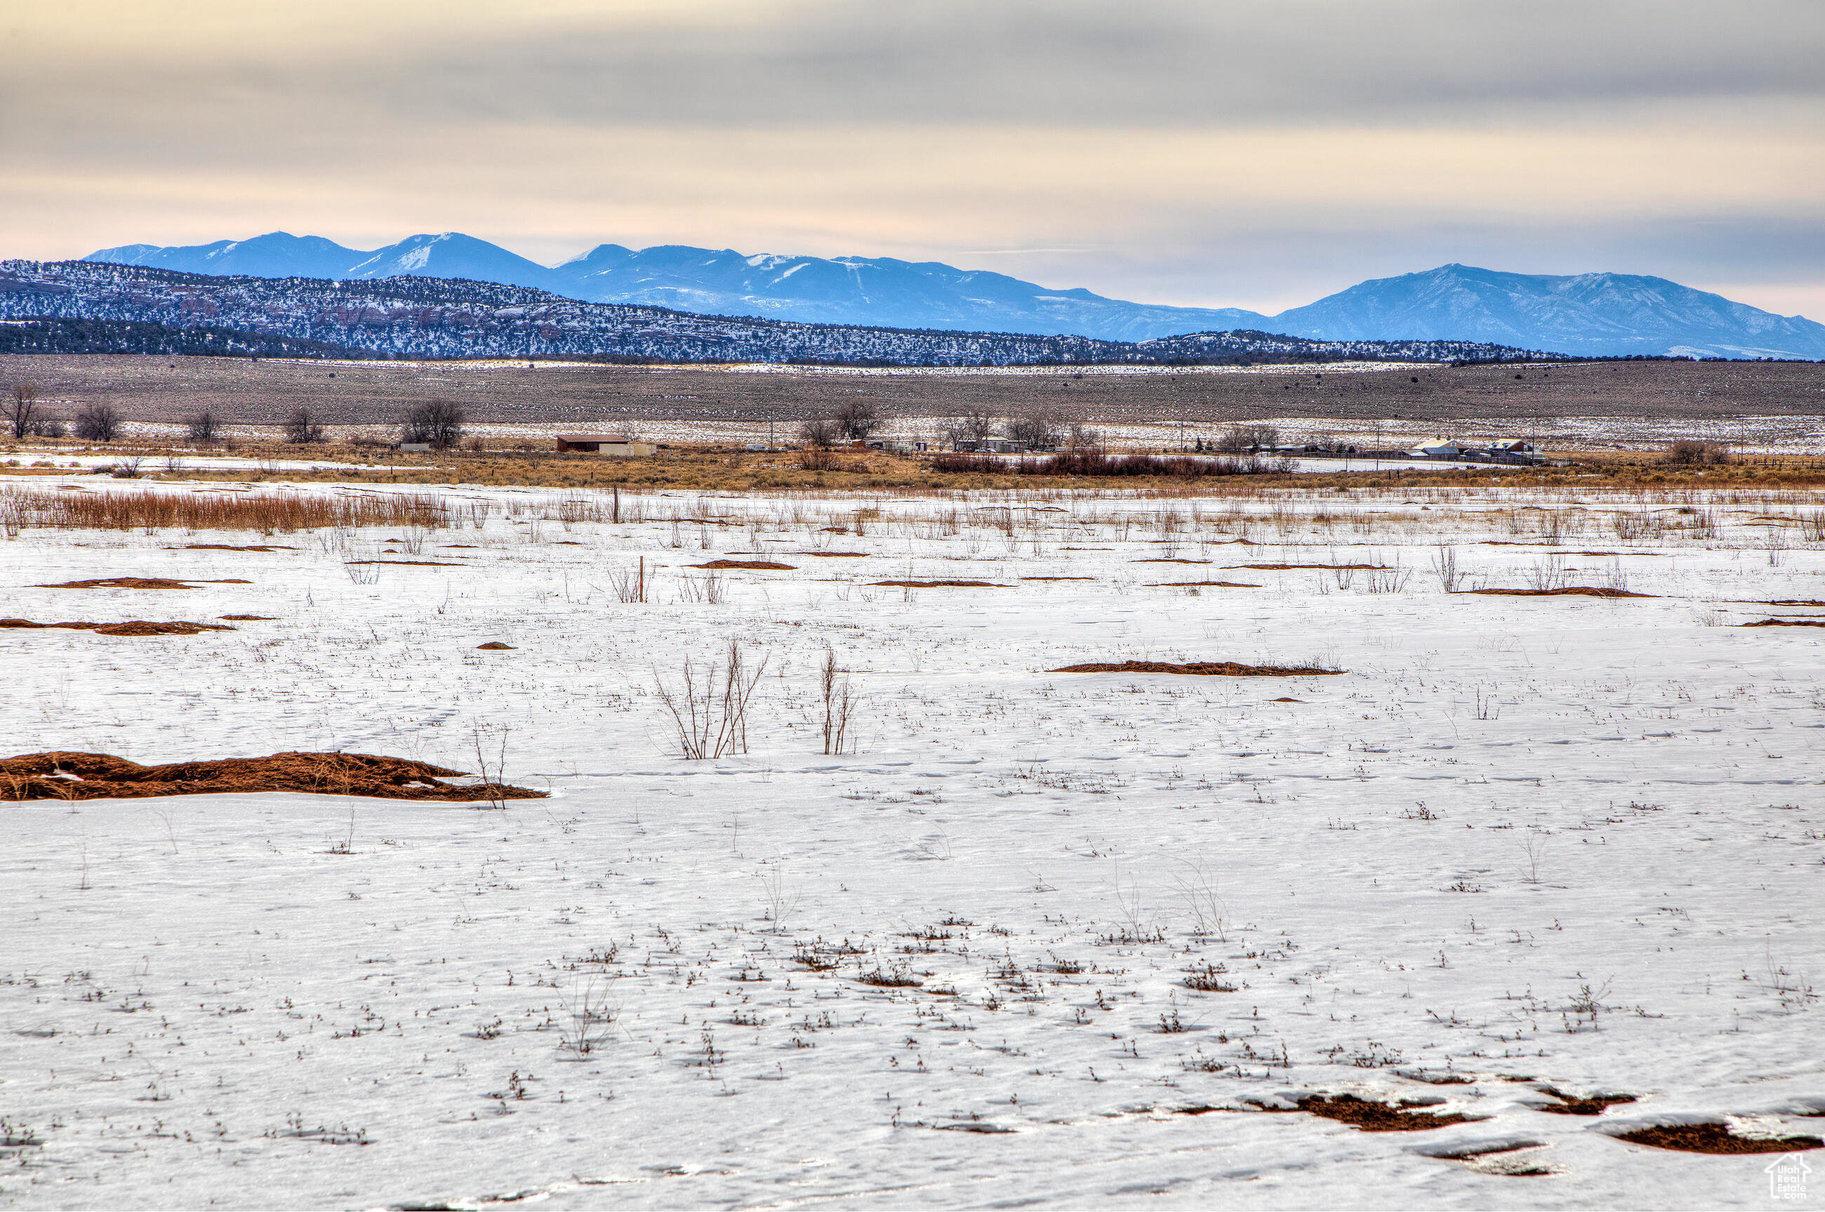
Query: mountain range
x=100, y=307
x=1584, y=315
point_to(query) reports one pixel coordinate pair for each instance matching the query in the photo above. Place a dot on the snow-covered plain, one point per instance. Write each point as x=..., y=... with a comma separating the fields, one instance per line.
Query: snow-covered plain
x=1517, y=842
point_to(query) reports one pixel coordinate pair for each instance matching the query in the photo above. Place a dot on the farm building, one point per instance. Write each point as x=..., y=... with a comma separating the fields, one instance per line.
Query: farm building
x=611, y=444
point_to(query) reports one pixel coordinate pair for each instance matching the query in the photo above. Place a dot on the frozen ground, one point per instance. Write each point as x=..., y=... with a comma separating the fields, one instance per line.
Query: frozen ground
x=1517, y=842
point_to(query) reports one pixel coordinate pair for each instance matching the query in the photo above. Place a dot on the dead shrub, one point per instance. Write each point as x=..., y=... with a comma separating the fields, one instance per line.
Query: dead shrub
x=709, y=708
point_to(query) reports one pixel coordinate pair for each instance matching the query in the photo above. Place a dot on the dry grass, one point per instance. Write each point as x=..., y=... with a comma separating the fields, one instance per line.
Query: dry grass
x=92, y=776
x=264, y=512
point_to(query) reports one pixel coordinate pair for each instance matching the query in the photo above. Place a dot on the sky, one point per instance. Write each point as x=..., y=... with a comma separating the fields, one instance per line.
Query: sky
x=1251, y=153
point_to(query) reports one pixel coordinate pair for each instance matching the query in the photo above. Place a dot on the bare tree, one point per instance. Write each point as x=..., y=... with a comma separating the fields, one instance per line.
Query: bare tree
x=972, y=425
x=205, y=426
x=1034, y=431
x=301, y=428
x=24, y=409
x=1240, y=438
x=856, y=419
x=439, y=422
x=820, y=432
x=1082, y=437
x=98, y=423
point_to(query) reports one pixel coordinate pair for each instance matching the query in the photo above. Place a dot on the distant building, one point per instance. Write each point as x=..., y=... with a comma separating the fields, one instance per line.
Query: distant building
x=613, y=445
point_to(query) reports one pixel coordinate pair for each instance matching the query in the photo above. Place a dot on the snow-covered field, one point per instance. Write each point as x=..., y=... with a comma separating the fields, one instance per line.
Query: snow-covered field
x=1517, y=842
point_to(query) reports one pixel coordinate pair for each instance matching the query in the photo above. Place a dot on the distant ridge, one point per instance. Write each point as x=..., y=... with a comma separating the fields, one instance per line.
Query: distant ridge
x=1586, y=315
x=422, y=317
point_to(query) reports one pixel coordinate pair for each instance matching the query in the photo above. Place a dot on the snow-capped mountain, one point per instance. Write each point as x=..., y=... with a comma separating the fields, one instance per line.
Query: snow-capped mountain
x=88, y=306
x=1586, y=315
x=1583, y=314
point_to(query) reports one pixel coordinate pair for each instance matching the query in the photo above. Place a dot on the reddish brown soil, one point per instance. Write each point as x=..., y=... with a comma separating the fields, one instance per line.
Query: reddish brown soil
x=410, y=563
x=93, y=776
x=1570, y=591
x=762, y=565
x=133, y=627
x=1320, y=567
x=1377, y=1117
x=1228, y=669
x=1203, y=584
x=124, y=583
x=939, y=584
x=1168, y=560
x=1715, y=1138
x=232, y=547
x=247, y=618
x=1571, y=1104
x=1058, y=578
x=494, y=646
x=1787, y=623
x=1793, y=602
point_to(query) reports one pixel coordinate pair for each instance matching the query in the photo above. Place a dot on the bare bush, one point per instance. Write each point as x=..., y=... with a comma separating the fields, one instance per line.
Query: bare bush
x=439, y=422
x=205, y=426
x=589, y=1014
x=819, y=433
x=709, y=707
x=98, y=423
x=1696, y=452
x=1444, y=567
x=839, y=705
x=301, y=428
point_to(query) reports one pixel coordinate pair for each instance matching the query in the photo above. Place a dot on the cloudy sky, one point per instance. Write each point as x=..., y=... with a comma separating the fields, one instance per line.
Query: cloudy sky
x=1254, y=153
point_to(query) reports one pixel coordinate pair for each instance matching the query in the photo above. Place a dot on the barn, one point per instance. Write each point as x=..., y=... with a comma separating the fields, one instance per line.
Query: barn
x=612, y=444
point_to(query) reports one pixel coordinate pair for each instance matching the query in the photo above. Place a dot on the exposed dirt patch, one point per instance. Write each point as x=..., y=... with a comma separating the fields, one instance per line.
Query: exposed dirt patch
x=1368, y=1116
x=834, y=555
x=1058, y=578
x=1715, y=1138
x=232, y=547
x=1568, y=591
x=1227, y=669
x=92, y=776
x=940, y=584
x=1571, y=1104
x=247, y=618
x=1284, y=699
x=1787, y=623
x=132, y=627
x=138, y=583
x=1319, y=567
x=410, y=563
x=1793, y=602
x=1167, y=560
x=1203, y=585
x=761, y=565
x=494, y=646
